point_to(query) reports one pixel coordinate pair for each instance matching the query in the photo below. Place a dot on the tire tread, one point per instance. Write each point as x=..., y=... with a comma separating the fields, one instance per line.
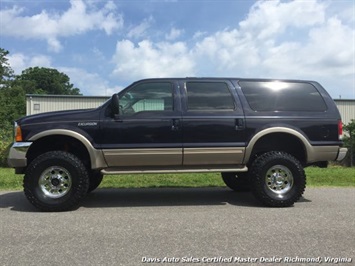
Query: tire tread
x=258, y=179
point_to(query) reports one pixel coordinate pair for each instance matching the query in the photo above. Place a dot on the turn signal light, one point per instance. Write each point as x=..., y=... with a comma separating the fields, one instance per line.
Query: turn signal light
x=18, y=134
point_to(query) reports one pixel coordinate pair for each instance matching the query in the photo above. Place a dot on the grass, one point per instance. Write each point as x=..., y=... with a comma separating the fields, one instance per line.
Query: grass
x=316, y=177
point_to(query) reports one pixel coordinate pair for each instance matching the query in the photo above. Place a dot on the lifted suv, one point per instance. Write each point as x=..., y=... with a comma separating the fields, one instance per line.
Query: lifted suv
x=258, y=133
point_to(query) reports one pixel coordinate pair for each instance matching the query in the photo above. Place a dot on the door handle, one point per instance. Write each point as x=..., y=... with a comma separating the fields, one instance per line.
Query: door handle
x=239, y=124
x=175, y=124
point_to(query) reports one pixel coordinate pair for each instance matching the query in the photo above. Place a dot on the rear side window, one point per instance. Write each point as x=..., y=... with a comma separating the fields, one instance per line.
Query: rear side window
x=282, y=96
x=207, y=96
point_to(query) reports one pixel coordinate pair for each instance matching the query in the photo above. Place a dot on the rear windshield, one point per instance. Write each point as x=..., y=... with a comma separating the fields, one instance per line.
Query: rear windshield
x=282, y=96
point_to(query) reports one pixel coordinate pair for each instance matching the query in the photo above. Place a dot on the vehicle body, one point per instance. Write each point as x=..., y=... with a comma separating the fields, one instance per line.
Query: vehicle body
x=258, y=133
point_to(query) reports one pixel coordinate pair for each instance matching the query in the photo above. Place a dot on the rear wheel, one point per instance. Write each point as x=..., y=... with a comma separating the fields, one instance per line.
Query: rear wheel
x=277, y=179
x=56, y=181
x=237, y=181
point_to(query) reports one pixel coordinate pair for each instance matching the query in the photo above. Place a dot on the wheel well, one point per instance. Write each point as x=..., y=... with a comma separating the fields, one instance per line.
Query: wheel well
x=59, y=143
x=280, y=142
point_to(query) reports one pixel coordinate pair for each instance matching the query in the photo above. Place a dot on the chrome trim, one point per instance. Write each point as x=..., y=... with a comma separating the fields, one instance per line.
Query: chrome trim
x=17, y=154
x=218, y=169
x=55, y=182
x=279, y=179
x=96, y=156
x=341, y=154
x=21, y=146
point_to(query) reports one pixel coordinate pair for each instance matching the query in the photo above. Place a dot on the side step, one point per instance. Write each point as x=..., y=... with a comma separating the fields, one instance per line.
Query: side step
x=119, y=170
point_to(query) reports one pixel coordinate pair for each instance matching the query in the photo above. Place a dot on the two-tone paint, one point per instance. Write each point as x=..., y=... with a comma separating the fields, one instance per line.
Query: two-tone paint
x=183, y=140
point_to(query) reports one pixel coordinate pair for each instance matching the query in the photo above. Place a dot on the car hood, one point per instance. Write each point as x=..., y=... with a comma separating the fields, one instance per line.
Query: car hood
x=61, y=116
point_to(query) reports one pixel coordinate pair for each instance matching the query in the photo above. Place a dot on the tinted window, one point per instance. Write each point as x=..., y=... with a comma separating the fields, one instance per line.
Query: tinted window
x=147, y=97
x=209, y=96
x=282, y=96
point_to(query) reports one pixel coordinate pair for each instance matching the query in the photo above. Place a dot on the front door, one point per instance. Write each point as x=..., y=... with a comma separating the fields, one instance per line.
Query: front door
x=147, y=131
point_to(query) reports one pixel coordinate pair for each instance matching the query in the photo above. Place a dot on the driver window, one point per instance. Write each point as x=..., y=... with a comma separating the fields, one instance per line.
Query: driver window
x=152, y=96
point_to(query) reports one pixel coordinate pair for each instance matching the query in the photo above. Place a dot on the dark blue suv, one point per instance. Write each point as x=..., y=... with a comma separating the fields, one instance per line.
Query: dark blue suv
x=259, y=133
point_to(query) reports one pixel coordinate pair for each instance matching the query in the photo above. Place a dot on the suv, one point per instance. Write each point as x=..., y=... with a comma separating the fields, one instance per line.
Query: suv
x=259, y=133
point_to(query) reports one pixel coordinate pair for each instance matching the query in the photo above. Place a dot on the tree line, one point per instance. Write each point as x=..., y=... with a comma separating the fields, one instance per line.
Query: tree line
x=13, y=90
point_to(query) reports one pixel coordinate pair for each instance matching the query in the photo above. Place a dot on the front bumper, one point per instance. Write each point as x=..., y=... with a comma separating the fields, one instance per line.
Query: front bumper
x=17, y=155
x=341, y=154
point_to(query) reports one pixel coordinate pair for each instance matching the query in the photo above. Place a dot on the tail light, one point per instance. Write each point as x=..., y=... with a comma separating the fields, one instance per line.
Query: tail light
x=340, y=129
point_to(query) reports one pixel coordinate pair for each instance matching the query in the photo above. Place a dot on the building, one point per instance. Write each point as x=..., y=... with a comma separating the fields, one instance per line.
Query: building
x=36, y=104
x=346, y=109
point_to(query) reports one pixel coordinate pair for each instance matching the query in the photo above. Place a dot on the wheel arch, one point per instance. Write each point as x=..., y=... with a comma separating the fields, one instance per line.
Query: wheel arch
x=66, y=140
x=281, y=139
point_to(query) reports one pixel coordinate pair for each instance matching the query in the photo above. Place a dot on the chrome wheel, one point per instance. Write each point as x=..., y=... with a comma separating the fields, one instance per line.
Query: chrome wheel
x=55, y=182
x=279, y=179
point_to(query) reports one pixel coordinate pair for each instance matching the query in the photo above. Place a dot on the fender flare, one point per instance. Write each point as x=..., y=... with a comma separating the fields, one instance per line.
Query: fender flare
x=96, y=157
x=309, y=149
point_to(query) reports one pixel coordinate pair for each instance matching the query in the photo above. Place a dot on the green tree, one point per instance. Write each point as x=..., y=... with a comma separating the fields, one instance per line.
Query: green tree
x=6, y=72
x=41, y=80
x=12, y=97
x=11, y=107
x=349, y=141
x=13, y=90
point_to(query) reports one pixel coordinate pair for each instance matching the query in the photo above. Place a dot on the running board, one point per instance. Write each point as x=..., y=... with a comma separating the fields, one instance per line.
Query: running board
x=118, y=170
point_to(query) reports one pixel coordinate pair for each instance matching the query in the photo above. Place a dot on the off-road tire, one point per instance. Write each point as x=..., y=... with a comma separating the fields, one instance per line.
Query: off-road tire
x=95, y=178
x=238, y=182
x=56, y=181
x=277, y=179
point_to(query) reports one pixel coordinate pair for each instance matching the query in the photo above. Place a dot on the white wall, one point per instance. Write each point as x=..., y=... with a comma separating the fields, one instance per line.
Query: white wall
x=36, y=104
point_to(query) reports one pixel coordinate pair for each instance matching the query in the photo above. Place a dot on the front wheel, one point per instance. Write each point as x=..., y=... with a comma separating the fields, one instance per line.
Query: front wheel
x=277, y=179
x=56, y=181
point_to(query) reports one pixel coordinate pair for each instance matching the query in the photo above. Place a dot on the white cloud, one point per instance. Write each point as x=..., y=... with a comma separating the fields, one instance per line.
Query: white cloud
x=173, y=34
x=89, y=83
x=268, y=19
x=140, y=30
x=20, y=62
x=78, y=19
x=293, y=39
x=151, y=60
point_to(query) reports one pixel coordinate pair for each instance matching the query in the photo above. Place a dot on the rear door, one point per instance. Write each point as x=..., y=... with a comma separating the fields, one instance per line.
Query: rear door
x=147, y=131
x=213, y=123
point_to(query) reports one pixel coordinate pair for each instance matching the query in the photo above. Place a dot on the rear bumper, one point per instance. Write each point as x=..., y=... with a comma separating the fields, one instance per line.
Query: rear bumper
x=17, y=155
x=341, y=154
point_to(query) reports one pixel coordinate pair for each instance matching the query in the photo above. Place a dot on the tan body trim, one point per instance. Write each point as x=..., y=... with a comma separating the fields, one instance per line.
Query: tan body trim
x=96, y=157
x=143, y=157
x=174, y=156
x=214, y=156
x=313, y=153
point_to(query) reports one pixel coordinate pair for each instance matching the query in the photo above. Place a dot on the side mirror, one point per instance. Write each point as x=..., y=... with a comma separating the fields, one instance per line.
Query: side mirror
x=115, y=106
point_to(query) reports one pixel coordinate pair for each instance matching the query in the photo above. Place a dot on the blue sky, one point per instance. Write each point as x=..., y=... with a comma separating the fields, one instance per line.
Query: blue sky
x=104, y=46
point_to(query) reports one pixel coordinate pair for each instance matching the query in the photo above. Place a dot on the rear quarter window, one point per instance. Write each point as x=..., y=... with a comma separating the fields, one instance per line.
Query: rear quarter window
x=282, y=96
